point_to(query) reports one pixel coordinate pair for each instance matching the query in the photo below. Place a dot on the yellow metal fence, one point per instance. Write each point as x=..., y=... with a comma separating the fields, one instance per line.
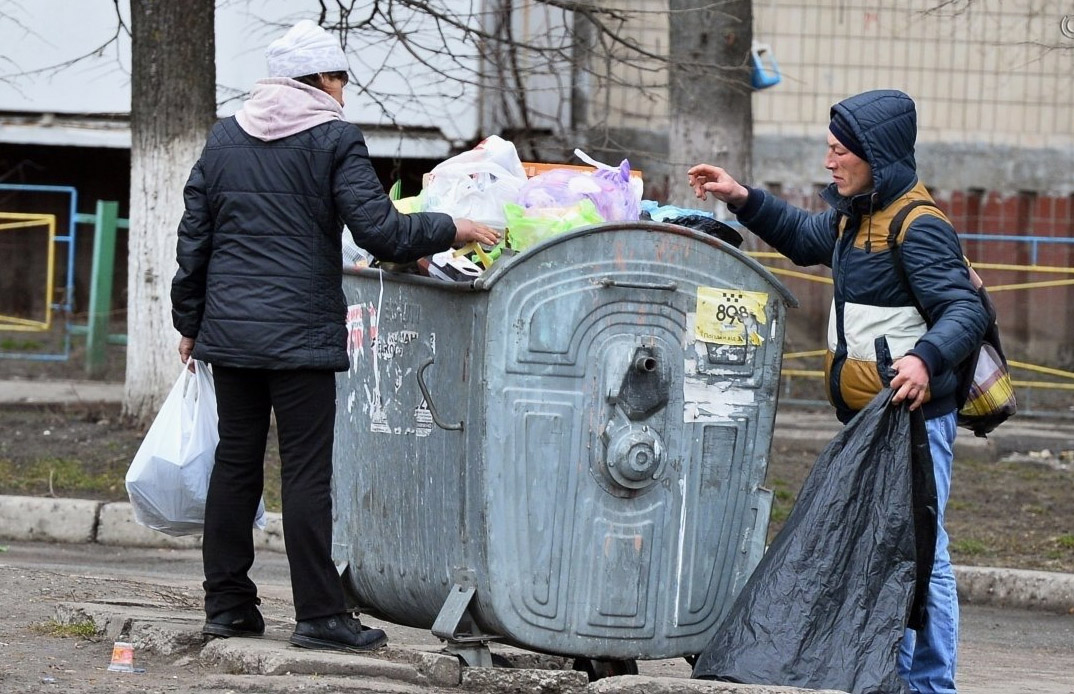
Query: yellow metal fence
x=10, y=221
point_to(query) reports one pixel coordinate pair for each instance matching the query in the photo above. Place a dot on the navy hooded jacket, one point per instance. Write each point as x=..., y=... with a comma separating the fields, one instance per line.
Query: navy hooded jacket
x=869, y=299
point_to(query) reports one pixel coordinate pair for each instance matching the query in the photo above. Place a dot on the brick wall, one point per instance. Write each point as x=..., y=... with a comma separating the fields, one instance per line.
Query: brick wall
x=1038, y=321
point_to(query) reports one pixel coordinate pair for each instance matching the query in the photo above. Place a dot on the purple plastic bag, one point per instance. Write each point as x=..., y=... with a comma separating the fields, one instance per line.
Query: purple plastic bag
x=609, y=188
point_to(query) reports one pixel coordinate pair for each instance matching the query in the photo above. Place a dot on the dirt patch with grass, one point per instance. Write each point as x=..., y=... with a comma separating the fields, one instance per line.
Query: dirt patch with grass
x=1016, y=512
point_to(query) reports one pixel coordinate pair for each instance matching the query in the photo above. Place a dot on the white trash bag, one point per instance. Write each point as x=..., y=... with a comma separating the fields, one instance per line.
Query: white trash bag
x=168, y=480
x=477, y=183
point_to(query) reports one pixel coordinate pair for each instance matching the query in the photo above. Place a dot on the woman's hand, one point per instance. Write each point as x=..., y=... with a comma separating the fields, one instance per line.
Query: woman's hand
x=186, y=346
x=467, y=230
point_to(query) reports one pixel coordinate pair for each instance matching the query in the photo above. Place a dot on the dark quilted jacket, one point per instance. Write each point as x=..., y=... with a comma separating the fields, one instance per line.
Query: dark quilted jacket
x=260, y=282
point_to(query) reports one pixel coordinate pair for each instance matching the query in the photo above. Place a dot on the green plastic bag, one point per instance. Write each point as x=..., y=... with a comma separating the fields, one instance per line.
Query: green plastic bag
x=528, y=227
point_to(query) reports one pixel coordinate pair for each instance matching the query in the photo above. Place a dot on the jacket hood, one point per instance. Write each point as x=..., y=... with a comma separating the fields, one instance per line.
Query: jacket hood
x=280, y=106
x=885, y=123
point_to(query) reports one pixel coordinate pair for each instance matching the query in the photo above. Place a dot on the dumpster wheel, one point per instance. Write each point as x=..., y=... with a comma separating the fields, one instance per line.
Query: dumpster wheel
x=599, y=669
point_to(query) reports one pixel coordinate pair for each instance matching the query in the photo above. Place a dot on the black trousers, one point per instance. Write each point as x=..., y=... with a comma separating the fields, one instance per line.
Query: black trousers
x=305, y=406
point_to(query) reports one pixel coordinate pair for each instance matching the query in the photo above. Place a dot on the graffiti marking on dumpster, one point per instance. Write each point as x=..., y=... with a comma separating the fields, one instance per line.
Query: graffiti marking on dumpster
x=730, y=316
x=378, y=418
x=709, y=397
x=704, y=402
x=355, y=332
x=392, y=343
x=423, y=419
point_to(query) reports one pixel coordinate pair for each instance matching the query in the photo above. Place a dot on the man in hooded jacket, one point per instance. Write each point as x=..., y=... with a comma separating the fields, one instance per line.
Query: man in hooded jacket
x=871, y=159
x=258, y=295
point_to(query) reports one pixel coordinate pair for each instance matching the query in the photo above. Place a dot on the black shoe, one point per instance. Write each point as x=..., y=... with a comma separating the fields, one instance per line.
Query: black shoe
x=339, y=632
x=241, y=621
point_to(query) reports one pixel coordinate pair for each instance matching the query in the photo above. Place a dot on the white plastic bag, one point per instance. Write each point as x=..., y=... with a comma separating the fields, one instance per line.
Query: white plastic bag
x=168, y=480
x=476, y=184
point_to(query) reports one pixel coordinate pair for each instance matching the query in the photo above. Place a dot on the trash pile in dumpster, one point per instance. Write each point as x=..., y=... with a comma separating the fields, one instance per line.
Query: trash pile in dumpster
x=530, y=203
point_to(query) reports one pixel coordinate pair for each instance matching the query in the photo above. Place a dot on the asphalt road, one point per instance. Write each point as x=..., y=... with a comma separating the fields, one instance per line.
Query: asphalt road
x=1002, y=651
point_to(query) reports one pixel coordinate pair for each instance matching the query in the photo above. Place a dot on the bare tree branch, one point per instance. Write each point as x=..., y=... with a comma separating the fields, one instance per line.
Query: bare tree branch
x=97, y=52
x=451, y=50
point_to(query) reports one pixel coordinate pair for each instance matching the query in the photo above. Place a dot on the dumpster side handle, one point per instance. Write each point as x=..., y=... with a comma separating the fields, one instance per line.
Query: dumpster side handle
x=429, y=401
x=665, y=286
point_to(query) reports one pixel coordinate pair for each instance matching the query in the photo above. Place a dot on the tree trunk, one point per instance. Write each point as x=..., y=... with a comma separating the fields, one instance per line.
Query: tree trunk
x=173, y=104
x=709, y=92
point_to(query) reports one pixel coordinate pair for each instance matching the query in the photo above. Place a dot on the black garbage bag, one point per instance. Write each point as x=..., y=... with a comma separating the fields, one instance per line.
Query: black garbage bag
x=710, y=226
x=827, y=605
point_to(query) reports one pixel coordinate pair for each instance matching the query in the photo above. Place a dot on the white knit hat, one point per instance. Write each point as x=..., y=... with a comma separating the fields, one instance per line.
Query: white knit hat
x=305, y=49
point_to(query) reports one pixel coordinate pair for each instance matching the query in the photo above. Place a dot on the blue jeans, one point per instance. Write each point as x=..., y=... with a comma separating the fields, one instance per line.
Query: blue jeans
x=927, y=658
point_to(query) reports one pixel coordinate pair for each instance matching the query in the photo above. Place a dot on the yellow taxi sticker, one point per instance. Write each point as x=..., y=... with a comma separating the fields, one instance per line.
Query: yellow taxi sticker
x=728, y=316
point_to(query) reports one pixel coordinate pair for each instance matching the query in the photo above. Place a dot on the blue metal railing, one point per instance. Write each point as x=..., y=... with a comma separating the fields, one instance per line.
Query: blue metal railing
x=1033, y=241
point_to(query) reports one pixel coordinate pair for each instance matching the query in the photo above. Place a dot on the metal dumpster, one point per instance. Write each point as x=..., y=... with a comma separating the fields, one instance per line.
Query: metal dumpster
x=567, y=453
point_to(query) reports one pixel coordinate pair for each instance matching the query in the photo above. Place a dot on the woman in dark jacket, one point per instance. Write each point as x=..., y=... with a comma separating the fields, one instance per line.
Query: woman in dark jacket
x=258, y=295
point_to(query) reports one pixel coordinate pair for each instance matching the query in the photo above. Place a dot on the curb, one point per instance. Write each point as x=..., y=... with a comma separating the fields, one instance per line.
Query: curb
x=48, y=520
x=1018, y=588
x=33, y=519
x=1012, y=437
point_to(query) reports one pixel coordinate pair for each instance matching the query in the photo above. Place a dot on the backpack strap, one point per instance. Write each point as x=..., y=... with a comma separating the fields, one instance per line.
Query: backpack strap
x=894, y=236
x=895, y=227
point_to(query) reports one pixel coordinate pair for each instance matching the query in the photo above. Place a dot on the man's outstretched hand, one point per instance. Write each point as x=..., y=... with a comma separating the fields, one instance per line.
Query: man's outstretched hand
x=706, y=178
